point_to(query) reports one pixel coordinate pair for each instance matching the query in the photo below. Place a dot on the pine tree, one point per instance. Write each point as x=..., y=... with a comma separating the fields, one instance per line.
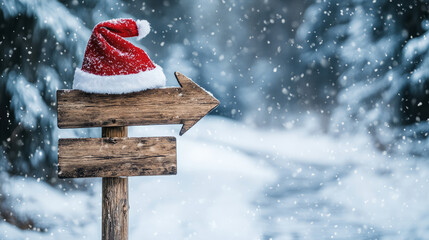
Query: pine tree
x=369, y=57
x=42, y=42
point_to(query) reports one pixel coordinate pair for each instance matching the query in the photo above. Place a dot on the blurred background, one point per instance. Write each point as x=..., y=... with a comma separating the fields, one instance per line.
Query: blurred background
x=322, y=130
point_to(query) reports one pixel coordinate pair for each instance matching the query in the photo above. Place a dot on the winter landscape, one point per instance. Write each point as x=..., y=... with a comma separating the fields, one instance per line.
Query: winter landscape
x=321, y=131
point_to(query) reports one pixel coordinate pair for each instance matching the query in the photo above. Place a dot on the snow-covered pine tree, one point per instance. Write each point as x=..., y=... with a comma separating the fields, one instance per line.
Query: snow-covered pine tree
x=41, y=44
x=370, y=56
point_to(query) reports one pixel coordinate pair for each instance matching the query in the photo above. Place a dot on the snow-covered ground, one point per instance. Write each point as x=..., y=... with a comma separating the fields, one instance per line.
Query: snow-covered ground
x=237, y=182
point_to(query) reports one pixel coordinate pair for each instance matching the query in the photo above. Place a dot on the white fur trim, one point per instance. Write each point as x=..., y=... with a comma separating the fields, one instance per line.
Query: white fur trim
x=118, y=84
x=143, y=27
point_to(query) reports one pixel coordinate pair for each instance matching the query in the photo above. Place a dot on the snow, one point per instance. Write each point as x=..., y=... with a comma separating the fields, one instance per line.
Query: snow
x=27, y=100
x=117, y=84
x=238, y=182
x=361, y=65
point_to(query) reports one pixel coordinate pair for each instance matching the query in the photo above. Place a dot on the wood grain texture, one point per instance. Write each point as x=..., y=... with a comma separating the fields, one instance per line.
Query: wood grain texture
x=113, y=157
x=110, y=132
x=184, y=105
x=115, y=204
x=115, y=209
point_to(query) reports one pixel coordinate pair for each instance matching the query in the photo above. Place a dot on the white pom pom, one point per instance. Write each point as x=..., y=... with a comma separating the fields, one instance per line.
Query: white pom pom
x=143, y=27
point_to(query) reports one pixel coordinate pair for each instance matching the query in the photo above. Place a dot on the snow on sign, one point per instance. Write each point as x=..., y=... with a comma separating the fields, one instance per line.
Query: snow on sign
x=114, y=155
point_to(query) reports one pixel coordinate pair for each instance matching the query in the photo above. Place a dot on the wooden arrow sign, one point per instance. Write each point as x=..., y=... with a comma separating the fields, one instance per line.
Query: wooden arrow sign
x=184, y=105
x=115, y=156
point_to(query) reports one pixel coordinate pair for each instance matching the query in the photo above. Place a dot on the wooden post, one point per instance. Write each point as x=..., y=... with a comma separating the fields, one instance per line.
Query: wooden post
x=115, y=204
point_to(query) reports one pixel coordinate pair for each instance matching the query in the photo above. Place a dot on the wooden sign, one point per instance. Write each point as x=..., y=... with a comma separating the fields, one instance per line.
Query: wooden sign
x=115, y=156
x=184, y=105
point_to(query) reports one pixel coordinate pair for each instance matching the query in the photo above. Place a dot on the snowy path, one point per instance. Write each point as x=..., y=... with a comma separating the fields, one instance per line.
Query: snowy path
x=235, y=182
x=329, y=188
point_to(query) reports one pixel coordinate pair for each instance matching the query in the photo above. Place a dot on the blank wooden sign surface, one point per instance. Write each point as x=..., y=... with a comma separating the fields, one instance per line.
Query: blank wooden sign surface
x=177, y=105
x=114, y=157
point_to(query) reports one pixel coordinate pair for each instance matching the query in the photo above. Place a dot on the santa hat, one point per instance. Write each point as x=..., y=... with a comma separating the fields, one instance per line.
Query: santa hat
x=114, y=65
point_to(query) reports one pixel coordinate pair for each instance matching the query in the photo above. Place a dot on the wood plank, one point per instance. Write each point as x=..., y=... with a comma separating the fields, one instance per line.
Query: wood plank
x=115, y=204
x=184, y=105
x=113, y=157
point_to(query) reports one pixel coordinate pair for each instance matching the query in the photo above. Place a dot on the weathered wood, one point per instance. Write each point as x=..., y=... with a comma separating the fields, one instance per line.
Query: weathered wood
x=110, y=132
x=115, y=205
x=185, y=105
x=114, y=157
x=115, y=209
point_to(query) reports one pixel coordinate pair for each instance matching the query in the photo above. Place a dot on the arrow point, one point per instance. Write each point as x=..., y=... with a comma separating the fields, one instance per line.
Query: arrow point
x=204, y=97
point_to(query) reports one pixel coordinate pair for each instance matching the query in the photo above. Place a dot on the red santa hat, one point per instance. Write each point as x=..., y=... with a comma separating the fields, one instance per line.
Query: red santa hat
x=114, y=65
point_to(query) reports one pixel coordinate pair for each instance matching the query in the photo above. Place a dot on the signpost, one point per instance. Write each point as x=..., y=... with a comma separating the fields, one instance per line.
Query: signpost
x=114, y=157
